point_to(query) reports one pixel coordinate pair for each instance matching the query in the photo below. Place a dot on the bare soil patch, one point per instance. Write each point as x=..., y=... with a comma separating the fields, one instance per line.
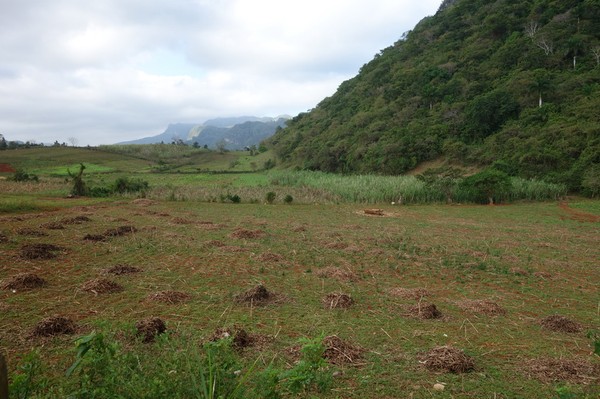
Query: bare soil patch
x=6, y=168
x=337, y=300
x=76, y=220
x=340, y=352
x=149, y=328
x=40, y=251
x=424, y=311
x=101, y=286
x=119, y=270
x=258, y=296
x=3, y=237
x=558, y=323
x=410, y=293
x=170, y=297
x=31, y=232
x=574, y=371
x=54, y=325
x=448, y=359
x=270, y=257
x=580, y=216
x=52, y=226
x=374, y=212
x=488, y=308
x=247, y=234
x=337, y=273
x=23, y=281
x=143, y=202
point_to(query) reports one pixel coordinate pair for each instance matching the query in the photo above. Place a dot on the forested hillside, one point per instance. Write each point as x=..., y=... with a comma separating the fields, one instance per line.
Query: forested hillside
x=510, y=82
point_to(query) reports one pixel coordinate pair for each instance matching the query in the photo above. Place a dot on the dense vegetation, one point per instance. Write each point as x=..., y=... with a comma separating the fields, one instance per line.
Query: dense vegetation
x=509, y=82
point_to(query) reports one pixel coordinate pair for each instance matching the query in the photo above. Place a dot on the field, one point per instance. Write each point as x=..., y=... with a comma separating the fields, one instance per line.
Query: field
x=515, y=287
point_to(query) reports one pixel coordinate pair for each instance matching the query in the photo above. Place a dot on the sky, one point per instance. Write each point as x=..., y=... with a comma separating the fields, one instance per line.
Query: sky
x=105, y=71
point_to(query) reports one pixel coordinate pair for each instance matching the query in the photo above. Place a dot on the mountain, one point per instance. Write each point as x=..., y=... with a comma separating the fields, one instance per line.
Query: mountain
x=509, y=83
x=238, y=132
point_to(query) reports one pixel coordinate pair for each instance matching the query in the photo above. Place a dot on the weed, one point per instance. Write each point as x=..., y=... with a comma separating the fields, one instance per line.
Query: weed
x=270, y=197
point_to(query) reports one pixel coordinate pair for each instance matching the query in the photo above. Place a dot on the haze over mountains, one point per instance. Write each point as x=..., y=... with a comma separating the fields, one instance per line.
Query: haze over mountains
x=235, y=132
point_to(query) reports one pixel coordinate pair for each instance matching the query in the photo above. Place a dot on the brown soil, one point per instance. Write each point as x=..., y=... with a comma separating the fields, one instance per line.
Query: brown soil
x=6, y=168
x=337, y=300
x=298, y=229
x=76, y=220
x=3, y=237
x=101, y=286
x=256, y=296
x=31, y=232
x=247, y=234
x=560, y=323
x=23, y=281
x=40, y=251
x=214, y=243
x=336, y=245
x=448, y=359
x=54, y=325
x=410, y=293
x=94, y=237
x=149, y=328
x=232, y=249
x=426, y=311
x=337, y=273
x=53, y=226
x=543, y=275
x=580, y=216
x=143, y=202
x=518, y=271
x=487, y=308
x=574, y=371
x=270, y=257
x=340, y=352
x=170, y=297
x=374, y=212
x=118, y=270
x=241, y=339
x=120, y=231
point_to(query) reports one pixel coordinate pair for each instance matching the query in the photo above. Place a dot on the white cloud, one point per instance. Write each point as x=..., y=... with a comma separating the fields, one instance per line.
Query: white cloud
x=114, y=70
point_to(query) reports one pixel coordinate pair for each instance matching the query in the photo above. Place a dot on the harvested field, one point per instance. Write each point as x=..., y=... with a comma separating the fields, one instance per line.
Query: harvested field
x=410, y=293
x=101, y=286
x=246, y=234
x=558, y=323
x=424, y=311
x=488, y=308
x=337, y=273
x=119, y=270
x=448, y=359
x=337, y=300
x=150, y=328
x=170, y=297
x=55, y=325
x=40, y=251
x=572, y=371
x=340, y=352
x=23, y=281
x=76, y=220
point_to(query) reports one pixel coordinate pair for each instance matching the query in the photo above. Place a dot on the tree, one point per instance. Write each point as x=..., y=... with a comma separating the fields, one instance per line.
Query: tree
x=78, y=183
x=196, y=145
x=486, y=185
x=73, y=141
x=3, y=143
x=596, y=52
x=541, y=82
x=220, y=145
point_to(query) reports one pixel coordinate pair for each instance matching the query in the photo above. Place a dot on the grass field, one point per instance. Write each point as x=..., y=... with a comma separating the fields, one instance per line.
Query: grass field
x=526, y=262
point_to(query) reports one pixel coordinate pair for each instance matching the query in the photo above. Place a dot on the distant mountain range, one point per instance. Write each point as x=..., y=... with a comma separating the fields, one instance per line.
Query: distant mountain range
x=235, y=132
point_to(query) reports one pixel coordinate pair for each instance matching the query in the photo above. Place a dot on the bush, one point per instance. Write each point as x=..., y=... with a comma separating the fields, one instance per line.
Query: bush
x=270, y=197
x=486, y=186
x=590, y=183
x=124, y=185
x=21, y=175
x=288, y=199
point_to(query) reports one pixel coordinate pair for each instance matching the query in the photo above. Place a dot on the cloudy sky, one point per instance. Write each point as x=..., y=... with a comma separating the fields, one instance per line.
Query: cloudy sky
x=105, y=71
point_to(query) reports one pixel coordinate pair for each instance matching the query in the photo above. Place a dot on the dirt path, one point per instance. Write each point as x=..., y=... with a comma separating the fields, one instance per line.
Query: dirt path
x=575, y=214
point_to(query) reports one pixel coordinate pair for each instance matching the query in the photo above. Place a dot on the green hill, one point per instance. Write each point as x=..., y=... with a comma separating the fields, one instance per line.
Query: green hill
x=510, y=82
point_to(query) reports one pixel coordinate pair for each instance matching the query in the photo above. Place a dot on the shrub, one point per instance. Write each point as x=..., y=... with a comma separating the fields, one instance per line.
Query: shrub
x=485, y=186
x=270, y=197
x=125, y=185
x=21, y=175
x=288, y=199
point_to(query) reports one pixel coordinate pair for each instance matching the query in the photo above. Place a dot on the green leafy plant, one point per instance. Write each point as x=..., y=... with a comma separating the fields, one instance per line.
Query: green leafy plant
x=270, y=197
x=311, y=371
x=21, y=176
x=26, y=381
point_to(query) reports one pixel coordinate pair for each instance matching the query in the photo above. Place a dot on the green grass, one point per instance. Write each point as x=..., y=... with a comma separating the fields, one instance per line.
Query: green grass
x=455, y=252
